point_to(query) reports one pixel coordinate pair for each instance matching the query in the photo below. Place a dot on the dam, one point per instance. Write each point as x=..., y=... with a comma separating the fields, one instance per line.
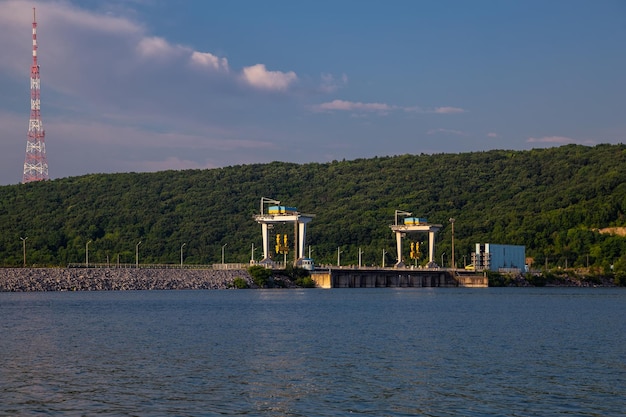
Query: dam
x=398, y=278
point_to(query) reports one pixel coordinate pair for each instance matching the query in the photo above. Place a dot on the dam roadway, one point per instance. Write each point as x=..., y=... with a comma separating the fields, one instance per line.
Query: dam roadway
x=340, y=277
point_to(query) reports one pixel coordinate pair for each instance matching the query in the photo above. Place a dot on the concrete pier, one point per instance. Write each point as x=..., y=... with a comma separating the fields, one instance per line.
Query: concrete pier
x=375, y=278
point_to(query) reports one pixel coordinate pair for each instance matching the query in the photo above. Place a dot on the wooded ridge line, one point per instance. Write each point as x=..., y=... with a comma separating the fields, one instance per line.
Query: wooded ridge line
x=555, y=201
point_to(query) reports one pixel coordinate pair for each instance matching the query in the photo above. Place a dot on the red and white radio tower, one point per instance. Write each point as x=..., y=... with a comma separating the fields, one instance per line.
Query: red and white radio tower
x=35, y=164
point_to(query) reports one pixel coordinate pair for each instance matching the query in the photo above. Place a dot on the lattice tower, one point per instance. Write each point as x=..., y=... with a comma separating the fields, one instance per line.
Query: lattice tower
x=35, y=163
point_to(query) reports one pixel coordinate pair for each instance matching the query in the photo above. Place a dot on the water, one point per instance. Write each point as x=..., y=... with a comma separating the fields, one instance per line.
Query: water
x=379, y=352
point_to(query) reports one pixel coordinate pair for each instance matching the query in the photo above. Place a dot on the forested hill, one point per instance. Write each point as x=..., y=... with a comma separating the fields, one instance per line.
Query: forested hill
x=553, y=201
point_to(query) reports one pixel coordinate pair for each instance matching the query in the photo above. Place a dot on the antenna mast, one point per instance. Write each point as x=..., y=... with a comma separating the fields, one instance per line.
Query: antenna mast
x=35, y=163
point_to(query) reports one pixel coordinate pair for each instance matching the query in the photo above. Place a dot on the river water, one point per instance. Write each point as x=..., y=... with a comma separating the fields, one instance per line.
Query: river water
x=379, y=352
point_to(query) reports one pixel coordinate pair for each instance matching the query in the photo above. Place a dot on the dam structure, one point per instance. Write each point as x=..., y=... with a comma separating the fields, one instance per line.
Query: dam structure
x=281, y=215
x=396, y=278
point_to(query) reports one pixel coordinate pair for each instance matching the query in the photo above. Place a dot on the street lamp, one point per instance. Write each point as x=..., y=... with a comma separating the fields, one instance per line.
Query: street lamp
x=442, y=255
x=87, y=253
x=404, y=213
x=223, y=246
x=24, y=248
x=253, y=249
x=339, y=252
x=384, y=253
x=181, y=254
x=360, y=256
x=137, y=254
x=267, y=200
x=451, y=220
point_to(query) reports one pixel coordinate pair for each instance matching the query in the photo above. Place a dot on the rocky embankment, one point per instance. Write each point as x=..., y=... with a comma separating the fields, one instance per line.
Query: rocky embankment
x=551, y=280
x=103, y=279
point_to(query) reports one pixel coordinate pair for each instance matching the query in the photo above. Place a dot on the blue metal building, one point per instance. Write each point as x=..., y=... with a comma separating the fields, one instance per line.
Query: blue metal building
x=494, y=257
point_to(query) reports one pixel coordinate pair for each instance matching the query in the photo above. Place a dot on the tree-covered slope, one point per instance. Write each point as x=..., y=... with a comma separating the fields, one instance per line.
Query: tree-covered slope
x=551, y=200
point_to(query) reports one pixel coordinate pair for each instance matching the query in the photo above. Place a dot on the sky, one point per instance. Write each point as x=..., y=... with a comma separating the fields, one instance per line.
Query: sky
x=153, y=85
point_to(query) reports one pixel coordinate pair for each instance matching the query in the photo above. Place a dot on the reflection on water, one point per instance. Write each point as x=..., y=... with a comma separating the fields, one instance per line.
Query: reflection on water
x=391, y=352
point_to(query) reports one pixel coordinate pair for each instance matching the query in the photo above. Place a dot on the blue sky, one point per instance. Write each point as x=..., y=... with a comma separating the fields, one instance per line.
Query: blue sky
x=151, y=85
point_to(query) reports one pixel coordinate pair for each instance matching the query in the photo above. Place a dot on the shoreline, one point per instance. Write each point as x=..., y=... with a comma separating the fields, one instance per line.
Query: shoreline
x=133, y=279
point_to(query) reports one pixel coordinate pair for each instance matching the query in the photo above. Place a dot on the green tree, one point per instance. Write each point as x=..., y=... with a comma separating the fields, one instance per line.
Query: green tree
x=260, y=275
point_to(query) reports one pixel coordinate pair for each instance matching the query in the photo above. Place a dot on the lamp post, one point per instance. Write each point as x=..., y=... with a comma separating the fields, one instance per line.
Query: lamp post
x=253, y=249
x=267, y=200
x=339, y=252
x=404, y=213
x=181, y=254
x=24, y=248
x=223, y=246
x=451, y=220
x=442, y=255
x=384, y=253
x=137, y=254
x=360, y=256
x=87, y=253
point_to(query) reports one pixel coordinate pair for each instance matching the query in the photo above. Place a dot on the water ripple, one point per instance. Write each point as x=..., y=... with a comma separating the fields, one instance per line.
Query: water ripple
x=378, y=352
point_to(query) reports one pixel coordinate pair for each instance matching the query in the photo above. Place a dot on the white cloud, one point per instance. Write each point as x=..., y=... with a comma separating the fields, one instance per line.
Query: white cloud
x=357, y=106
x=156, y=47
x=259, y=77
x=344, y=105
x=208, y=60
x=448, y=110
x=551, y=139
x=492, y=135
